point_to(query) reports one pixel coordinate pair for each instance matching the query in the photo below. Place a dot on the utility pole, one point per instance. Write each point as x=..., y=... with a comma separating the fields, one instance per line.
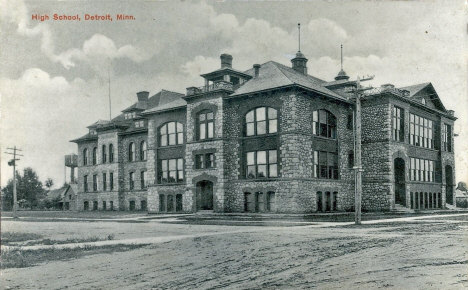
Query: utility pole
x=358, y=92
x=13, y=163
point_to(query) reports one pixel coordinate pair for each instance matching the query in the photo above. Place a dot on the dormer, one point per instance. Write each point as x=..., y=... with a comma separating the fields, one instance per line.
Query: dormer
x=141, y=105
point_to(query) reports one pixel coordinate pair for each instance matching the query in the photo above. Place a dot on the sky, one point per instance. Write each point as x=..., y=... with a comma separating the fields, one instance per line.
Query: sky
x=54, y=76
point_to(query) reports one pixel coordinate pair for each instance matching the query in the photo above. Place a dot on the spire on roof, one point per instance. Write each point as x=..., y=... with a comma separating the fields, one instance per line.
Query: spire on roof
x=342, y=74
x=299, y=63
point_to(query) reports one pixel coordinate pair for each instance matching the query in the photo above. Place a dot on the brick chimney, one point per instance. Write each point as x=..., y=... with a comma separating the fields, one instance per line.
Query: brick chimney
x=143, y=96
x=257, y=69
x=226, y=60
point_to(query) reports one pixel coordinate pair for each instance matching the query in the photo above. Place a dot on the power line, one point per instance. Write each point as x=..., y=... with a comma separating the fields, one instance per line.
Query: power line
x=12, y=162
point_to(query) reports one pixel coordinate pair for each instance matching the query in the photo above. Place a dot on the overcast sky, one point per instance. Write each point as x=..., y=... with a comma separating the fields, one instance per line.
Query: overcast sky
x=54, y=74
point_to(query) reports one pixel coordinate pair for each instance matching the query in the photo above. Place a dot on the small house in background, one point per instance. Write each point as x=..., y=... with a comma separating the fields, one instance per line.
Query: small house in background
x=461, y=195
x=64, y=198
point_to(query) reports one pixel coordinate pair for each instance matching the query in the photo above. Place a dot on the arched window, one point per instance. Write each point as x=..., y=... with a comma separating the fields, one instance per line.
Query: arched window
x=171, y=133
x=143, y=150
x=85, y=156
x=104, y=154
x=131, y=152
x=261, y=121
x=111, y=153
x=94, y=155
x=205, y=120
x=324, y=124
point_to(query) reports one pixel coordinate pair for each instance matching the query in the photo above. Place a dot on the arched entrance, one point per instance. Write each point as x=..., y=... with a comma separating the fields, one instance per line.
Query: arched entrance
x=205, y=195
x=400, y=188
x=449, y=184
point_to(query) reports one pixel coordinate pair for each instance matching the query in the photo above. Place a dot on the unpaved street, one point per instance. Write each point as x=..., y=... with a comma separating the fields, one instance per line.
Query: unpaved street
x=414, y=254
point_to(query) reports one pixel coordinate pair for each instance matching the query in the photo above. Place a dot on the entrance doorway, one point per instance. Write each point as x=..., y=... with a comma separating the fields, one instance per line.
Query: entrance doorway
x=400, y=188
x=449, y=184
x=205, y=195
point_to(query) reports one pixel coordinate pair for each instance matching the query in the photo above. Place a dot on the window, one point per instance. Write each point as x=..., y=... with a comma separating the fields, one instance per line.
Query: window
x=85, y=156
x=132, y=180
x=111, y=205
x=422, y=170
x=143, y=205
x=423, y=101
x=171, y=133
x=398, y=124
x=350, y=159
x=421, y=132
x=104, y=182
x=85, y=183
x=111, y=153
x=162, y=202
x=104, y=205
x=139, y=124
x=104, y=154
x=95, y=205
x=324, y=124
x=143, y=151
x=262, y=164
x=143, y=179
x=95, y=181
x=111, y=181
x=350, y=122
x=261, y=121
x=131, y=152
x=325, y=165
x=170, y=203
x=94, y=155
x=205, y=161
x=129, y=116
x=447, y=137
x=205, y=125
x=271, y=201
x=172, y=170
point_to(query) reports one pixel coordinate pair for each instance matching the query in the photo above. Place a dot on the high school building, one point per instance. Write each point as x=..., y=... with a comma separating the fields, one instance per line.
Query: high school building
x=269, y=139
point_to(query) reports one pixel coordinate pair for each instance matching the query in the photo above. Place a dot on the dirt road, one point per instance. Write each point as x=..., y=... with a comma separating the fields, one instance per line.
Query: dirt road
x=404, y=255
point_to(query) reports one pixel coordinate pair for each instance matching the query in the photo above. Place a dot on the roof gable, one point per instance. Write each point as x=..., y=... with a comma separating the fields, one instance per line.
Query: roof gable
x=427, y=92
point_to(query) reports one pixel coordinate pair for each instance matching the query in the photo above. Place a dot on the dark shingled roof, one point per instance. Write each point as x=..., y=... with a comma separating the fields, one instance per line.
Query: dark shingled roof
x=414, y=89
x=275, y=75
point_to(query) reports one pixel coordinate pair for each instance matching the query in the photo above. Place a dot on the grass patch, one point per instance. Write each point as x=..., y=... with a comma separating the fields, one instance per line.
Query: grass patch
x=16, y=237
x=18, y=258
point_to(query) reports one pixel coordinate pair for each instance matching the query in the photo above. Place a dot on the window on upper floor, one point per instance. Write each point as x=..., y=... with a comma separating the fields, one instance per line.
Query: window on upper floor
x=143, y=151
x=324, y=124
x=143, y=179
x=85, y=156
x=104, y=182
x=171, y=170
x=260, y=121
x=351, y=159
x=421, y=131
x=111, y=181
x=131, y=152
x=261, y=164
x=398, y=125
x=94, y=155
x=95, y=182
x=104, y=154
x=139, y=124
x=350, y=122
x=171, y=133
x=131, y=180
x=129, y=116
x=85, y=183
x=422, y=170
x=205, y=161
x=205, y=122
x=325, y=165
x=447, y=137
x=111, y=153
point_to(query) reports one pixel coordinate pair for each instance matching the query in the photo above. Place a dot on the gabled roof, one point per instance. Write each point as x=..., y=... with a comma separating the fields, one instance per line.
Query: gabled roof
x=99, y=122
x=57, y=193
x=414, y=89
x=427, y=91
x=275, y=75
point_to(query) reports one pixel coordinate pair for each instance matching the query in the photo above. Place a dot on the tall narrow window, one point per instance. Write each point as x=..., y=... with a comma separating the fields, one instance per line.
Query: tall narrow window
x=261, y=164
x=85, y=183
x=350, y=159
x=111, y=181
x=205, y=125
x=421, y=132
x=398, y=124
x=104, y=182
x=104, y=154
x=143, y=179
x=111, y=153
x=324, y=124
x=132, y=180
x=95, y=182
x=143, y=151
x=131, y=152
x=171, y=133
x=261, y=121
x=85, y=156
x=94, y=155
x=447, y=138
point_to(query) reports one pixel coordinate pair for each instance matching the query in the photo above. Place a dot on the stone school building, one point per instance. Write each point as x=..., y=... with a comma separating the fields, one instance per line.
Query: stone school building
x=269, y=139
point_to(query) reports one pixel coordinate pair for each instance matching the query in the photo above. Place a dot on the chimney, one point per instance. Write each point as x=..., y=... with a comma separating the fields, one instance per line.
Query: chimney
x=226, y=60
x=257, y=69
x=143, y=96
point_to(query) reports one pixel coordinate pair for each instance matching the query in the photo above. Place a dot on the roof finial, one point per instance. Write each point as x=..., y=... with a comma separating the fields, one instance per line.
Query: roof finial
x=299, y=28
x=342, y=57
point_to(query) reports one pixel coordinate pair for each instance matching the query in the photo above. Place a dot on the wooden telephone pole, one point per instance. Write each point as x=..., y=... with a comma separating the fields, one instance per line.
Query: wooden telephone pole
x=12, y=162
x=358, y=92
